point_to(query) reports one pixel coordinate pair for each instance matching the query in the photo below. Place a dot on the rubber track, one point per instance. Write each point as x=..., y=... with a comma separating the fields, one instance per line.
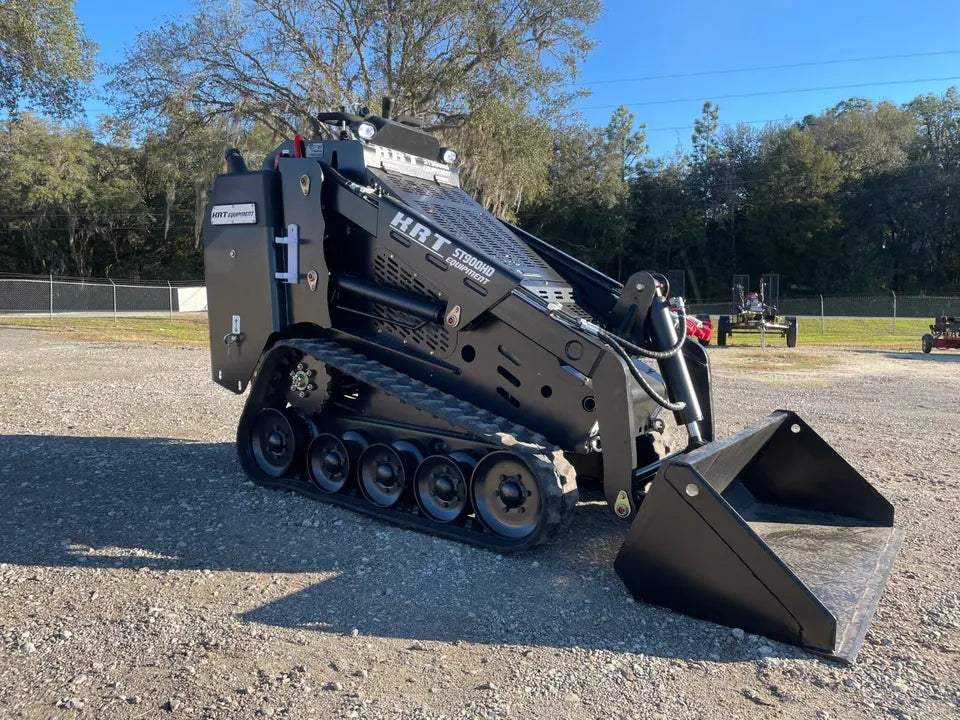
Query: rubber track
x=555, y=476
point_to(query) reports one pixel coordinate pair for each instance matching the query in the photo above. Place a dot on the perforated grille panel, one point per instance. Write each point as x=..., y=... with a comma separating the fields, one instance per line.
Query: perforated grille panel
x=460, y=215
x=432, y=338
x=553, y=293
x=560, y=293
x=415, y=186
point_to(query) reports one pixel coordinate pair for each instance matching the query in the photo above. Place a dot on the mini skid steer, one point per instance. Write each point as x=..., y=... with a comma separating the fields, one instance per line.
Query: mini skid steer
x=413, y=358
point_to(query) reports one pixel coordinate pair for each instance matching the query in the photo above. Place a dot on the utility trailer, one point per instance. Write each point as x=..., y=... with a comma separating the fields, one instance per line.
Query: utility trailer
x=415, y=359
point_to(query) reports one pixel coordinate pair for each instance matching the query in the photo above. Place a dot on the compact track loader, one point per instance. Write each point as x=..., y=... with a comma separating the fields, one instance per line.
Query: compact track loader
x=413, y=358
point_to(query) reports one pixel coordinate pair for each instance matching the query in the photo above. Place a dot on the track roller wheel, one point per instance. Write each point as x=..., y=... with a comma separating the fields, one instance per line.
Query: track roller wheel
x=328, y=463
x=385, y=470
x=505, y=495
x=442, y=485
x=277, y=440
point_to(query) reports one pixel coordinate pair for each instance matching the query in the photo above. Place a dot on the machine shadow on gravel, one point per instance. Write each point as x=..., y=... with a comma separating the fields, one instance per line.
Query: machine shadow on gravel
x=166, y=504
x=942, y=356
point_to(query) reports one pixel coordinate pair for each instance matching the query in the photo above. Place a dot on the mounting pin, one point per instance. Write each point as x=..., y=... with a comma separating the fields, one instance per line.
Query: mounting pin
x=453, y=317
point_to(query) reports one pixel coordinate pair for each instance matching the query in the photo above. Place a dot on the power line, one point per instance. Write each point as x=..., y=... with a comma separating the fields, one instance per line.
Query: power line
x=769, y=92
x=762, y=93
x=727, y=71
x=786, y=119
x=786, y=66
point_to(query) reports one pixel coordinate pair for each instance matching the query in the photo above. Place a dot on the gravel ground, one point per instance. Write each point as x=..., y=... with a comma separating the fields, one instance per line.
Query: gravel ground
x=142, y=577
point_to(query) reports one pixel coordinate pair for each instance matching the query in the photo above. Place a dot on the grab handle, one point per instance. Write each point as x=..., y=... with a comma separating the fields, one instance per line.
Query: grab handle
x=292, y=241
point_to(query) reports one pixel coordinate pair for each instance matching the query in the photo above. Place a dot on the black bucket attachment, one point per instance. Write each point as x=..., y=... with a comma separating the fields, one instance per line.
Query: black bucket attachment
x=770, y=531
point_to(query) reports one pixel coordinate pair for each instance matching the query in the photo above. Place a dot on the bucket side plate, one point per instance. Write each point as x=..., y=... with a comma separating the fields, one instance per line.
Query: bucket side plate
x=723, y=536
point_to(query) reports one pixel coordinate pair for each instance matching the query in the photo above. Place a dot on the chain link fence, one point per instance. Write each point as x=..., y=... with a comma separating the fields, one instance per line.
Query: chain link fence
x=866, y=306
x=61, y=295
x=52, y=295
x=854, y=317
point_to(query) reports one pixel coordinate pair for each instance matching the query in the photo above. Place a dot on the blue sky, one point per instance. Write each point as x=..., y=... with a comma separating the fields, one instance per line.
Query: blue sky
x=641, y=39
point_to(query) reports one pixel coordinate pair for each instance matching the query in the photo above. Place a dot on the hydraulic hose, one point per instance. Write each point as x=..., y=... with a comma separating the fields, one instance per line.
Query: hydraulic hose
x=620, y=347
x=641, y=379
x=652, y=354
x=599, y=332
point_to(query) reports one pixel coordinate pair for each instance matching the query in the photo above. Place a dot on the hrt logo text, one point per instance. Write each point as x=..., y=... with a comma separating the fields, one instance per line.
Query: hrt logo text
x=423, y=235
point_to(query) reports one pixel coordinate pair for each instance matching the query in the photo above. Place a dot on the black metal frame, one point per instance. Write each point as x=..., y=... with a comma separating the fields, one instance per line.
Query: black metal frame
x=369, y=266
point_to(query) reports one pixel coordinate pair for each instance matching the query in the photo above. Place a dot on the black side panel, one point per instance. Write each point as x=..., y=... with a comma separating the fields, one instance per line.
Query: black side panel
x=307, y=302
x=240, y=261
x=698, y=365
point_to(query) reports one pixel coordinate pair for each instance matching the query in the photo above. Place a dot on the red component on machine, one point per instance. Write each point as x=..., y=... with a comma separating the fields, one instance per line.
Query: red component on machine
x=698, y=326
x=701, y=328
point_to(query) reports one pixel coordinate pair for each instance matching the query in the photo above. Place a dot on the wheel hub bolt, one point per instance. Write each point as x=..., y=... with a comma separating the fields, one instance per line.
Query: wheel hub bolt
x=385, y=475
x=444, y=487
x=332, y=462
x=275, y=443
x=511, y=494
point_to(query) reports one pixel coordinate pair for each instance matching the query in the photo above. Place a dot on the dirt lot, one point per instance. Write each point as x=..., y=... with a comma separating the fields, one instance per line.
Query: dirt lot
x=141, y=577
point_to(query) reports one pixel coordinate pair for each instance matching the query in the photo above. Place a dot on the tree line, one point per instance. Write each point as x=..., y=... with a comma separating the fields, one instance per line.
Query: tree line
x=858, y=198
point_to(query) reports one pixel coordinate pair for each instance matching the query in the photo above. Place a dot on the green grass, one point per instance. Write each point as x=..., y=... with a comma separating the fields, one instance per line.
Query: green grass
x=874, y=333
x=180, y=331
x=191, y=331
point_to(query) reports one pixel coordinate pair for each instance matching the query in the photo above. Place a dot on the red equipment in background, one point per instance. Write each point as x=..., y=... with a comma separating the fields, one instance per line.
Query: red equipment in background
x=946, y=334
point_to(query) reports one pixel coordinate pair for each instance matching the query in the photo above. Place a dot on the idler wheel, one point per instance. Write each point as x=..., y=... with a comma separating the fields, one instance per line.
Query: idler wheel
x=385, y=471
x=442, y=484
x=277, y=437
x=505, y=495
